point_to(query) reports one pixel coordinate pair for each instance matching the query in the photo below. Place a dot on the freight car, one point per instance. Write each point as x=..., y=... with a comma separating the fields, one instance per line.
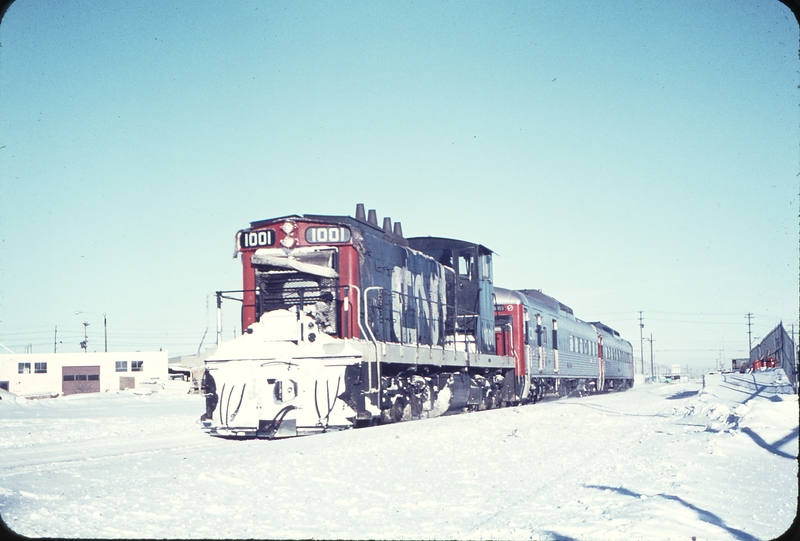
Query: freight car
x=350, y=324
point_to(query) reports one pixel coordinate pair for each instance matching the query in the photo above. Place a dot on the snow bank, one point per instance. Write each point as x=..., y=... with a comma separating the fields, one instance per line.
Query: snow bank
x=657, y=462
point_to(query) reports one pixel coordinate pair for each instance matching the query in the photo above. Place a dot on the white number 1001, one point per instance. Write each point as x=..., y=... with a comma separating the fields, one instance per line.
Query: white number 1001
x=327, y=234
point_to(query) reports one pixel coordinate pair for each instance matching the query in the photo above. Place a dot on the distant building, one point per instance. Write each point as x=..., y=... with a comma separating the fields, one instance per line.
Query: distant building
x=674, y=373
x=71, y=373
x=777, y=348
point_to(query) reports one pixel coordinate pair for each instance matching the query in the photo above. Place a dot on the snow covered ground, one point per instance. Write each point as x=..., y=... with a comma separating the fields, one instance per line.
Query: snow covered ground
x=661, y=461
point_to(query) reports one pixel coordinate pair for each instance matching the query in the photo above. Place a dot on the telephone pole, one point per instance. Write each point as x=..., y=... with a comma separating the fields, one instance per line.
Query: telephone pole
x=85, y=343
x=641, y=341
x=749, y=316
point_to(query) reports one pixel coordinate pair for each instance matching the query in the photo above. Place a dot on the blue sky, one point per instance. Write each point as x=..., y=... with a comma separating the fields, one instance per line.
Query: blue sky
x=621, y=156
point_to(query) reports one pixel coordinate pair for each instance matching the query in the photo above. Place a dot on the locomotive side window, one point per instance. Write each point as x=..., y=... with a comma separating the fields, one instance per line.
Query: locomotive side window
x=486, y=267
x=465, y=265
x=445, y=257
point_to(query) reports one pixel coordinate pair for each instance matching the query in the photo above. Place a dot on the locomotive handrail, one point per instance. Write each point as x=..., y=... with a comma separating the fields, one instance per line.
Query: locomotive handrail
x=374, y=342
x=408, y=303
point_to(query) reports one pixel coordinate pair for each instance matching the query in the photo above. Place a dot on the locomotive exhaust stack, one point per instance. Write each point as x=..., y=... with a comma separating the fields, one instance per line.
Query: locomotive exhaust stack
x=396, y=230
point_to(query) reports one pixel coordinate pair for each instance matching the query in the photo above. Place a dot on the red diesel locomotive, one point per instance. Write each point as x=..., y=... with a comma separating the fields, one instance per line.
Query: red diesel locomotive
x=348, y=323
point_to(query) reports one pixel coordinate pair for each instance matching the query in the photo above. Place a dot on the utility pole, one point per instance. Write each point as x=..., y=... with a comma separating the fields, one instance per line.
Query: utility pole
x=55, y=340
x=641, y=341
x=105, y=328
x=219, y=317
x=652, y=363
x=85, y=343
x=749, y=316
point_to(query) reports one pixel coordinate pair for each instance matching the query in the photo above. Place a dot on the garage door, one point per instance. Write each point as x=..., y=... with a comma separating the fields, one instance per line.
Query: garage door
x=80, y=379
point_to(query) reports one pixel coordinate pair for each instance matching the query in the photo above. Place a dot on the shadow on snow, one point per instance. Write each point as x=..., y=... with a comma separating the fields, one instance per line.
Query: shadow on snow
x=705, y=516
x=775, y=447
x=682, y=395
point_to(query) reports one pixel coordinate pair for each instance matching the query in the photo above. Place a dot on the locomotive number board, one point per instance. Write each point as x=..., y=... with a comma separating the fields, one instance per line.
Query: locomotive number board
x=313, y=235
x=319, y=235
x=253, y=239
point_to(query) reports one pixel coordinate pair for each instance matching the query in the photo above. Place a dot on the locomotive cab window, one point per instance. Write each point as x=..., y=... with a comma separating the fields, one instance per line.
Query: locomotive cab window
x=465, y=265
x=445, y=257
x=485, y=262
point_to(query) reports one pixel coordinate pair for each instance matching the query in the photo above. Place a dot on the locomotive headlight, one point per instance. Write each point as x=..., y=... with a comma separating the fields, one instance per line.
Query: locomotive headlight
x=287, y=227
x=288, y=242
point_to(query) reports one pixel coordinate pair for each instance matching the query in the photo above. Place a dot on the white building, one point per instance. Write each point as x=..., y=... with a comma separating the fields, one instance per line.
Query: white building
x=70, y=373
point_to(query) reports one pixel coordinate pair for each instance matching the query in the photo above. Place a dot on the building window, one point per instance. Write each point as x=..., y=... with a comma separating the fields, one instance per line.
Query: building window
x=24, y=368
x=40, y=368
x=122, y=366
x=137, y=366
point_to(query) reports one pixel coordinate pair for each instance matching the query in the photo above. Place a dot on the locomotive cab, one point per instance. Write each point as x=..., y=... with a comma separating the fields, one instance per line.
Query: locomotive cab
x=471, y=295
